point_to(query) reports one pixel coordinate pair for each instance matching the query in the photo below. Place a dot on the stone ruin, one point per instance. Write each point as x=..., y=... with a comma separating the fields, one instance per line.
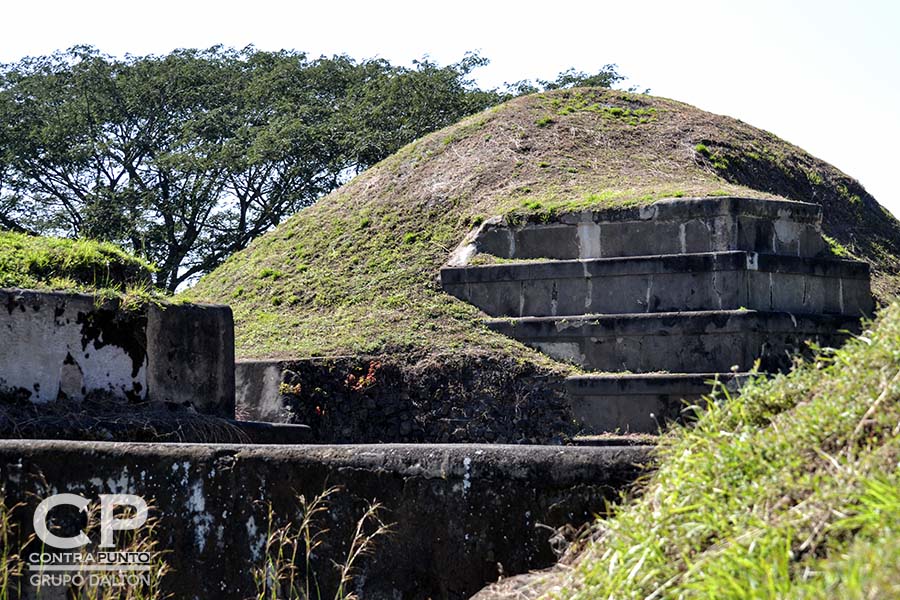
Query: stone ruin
x=657, y=301
x=653, y=304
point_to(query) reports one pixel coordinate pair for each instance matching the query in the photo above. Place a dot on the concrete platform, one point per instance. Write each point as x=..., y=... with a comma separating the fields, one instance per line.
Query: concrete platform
x=640, y=403
x=462, y=514
x=705, y=281
x=678, y=342
x=675, y=226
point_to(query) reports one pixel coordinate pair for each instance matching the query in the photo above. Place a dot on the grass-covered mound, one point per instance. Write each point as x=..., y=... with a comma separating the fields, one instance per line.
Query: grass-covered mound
x=79, y=265
x=791, y=490
x=356, y=272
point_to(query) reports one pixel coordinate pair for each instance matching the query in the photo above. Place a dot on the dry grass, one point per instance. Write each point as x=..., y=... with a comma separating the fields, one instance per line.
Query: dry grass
x=289, y=572
x=104, y=418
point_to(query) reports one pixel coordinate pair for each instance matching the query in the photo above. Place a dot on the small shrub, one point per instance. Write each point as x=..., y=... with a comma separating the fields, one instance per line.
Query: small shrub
x=270, y=273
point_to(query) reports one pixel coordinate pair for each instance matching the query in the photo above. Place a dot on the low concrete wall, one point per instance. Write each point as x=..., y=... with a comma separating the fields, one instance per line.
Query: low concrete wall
x=640, y=403
x=463, y=515
x=66, y=346
x=688, y=342
x=711, y=281
x=676, y=226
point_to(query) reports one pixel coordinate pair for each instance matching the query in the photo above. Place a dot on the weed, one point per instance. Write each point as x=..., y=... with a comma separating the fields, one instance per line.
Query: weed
x=836, y=248
x=12, y=567
x=544, y=121
x=288, y=571
x=270, y=273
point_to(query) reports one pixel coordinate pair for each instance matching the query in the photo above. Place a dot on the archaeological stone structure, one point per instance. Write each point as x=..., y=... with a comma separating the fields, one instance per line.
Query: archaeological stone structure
x=649, y=305
x=656, y=301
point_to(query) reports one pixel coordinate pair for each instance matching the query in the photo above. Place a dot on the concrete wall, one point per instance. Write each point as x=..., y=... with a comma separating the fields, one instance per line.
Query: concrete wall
x=691, y=342
x=462, y=515
x=644, y=403
x=68, y=346
x=677, y=226
x=710, y=281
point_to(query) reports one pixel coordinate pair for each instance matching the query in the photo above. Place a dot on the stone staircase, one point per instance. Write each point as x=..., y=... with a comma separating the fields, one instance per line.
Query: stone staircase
x=657, y=302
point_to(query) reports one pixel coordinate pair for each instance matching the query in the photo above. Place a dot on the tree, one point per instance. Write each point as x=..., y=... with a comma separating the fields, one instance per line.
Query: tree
x=186, y=158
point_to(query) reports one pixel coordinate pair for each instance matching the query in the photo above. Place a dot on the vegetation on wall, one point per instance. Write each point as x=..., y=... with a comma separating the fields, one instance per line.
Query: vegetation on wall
x=52, y=263
x=791, y=490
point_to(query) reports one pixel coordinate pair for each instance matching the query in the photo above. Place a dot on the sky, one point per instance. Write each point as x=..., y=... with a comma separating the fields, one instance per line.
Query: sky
x=822, y=74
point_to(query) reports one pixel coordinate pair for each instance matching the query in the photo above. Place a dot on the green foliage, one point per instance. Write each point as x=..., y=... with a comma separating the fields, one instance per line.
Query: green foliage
x=718, y=161
x=544, y=121
x=837, y=248
x=186, y=158
x=607, y=77
x=789, y=490
x=37, y=262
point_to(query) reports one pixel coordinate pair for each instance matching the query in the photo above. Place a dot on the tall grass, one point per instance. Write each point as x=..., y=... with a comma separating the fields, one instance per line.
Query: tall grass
x=791, y=489
x=288, y=571
x=11, y=564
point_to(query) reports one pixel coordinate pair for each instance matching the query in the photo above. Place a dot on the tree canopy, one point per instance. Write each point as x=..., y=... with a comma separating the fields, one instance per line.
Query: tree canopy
x=185, y=158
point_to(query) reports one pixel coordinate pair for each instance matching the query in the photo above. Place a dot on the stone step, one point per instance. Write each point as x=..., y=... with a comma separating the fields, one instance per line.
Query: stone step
x=626, y=403
x=703, y=281
x=675, y=226
x=680, y=342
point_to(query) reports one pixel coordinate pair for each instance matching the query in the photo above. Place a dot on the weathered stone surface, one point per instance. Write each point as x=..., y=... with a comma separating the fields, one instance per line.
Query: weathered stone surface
x=676, y=226
x=65, y=346
x=640, y=403
x=382, y=399
x=707, y=281
x=190, y=356
x=461, y=513
x=685, y=342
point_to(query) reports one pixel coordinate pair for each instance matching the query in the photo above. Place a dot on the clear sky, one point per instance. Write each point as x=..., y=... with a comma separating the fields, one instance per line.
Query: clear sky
x=822, y=74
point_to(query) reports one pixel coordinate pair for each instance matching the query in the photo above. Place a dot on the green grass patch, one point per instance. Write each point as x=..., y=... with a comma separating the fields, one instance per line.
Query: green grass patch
x=837, y=249
x=76, y=265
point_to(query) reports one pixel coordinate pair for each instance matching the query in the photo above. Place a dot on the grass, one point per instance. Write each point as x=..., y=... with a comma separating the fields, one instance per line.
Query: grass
x=12, y=566
x=78, y=265
x=791, y=490
x=288, y=572
x=356, y=272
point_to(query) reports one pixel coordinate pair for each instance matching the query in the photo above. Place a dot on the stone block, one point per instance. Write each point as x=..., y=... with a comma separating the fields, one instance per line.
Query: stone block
x=68, y=346
x=678, y=342
x=665, y=283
